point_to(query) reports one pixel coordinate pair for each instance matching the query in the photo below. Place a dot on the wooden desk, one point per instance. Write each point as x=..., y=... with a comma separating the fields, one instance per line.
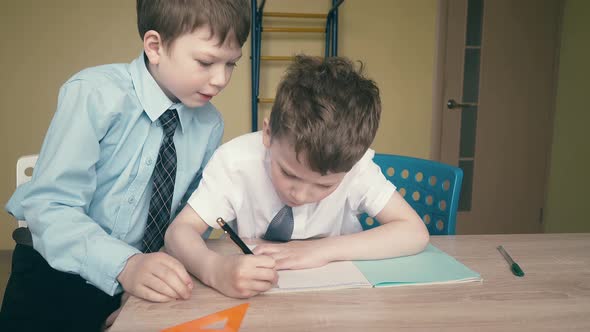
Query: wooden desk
x=553, y=296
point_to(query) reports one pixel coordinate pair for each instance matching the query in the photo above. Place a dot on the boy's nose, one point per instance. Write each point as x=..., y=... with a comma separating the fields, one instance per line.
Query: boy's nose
x=219, y=77
x=299, y=195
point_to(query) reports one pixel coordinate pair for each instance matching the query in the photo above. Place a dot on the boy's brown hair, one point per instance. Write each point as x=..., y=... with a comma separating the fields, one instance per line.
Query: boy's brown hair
x=328, y=110
x=173, y=18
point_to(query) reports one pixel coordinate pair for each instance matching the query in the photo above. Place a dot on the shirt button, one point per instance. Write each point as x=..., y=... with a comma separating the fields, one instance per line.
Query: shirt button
x=149, y=161
x=131, y=200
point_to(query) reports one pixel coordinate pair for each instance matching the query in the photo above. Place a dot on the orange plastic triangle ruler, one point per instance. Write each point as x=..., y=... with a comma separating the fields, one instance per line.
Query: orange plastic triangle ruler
x=232, y=316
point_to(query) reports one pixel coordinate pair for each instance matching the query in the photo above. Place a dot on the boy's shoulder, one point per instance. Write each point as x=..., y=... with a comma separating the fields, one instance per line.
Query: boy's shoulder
x=104, y=93
x=108, y=77
x=363, y=163
x=243, y=150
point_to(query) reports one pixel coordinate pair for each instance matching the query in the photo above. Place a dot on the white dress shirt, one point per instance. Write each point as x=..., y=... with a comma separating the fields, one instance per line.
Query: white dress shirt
x=236, y=185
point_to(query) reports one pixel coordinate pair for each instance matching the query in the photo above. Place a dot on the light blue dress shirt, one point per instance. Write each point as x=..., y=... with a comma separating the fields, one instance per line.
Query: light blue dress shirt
x=88, y=200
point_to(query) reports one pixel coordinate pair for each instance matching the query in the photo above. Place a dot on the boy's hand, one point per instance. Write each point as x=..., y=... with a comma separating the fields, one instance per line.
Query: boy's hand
x=156, y=277
x=294, y=255
x=243, y=276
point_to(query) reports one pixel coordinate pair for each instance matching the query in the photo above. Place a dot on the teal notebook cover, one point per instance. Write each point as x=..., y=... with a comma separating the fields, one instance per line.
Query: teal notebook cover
x=430, y=266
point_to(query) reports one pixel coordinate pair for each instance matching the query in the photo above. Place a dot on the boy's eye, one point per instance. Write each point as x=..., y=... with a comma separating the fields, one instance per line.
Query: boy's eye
x=204, y=63
x=325, y=186
x=291, y=176
x=232, y=64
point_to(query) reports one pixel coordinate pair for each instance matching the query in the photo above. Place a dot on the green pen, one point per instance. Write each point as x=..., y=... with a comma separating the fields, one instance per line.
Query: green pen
x=516, y=270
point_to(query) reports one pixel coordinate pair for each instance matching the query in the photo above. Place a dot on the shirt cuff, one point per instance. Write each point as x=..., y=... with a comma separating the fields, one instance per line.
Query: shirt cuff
x=105, y=261
x=381, y=198
x=14, y=206
x=209, y=209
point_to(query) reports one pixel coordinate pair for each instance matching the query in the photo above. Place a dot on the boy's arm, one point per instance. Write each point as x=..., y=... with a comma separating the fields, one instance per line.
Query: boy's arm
x=239, y=276
x=61, y=192
x=402, y=233
x=184, y=241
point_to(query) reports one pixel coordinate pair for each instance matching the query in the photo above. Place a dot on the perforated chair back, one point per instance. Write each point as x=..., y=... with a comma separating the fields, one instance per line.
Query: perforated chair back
x=431, y=188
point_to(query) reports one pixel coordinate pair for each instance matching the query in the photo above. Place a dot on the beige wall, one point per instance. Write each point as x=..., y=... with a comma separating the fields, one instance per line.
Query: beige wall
x=45, y=42
x=566, y=209
x=396, y=39
x=48, y=41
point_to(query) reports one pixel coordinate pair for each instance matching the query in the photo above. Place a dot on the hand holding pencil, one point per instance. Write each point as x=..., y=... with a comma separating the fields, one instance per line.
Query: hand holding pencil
x=242, y=276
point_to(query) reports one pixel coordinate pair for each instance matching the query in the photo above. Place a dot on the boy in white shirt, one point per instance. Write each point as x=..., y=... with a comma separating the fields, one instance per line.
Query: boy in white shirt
x=305, y=176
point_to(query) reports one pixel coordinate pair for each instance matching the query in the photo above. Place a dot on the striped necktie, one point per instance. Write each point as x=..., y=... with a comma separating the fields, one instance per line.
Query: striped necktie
x=163, y=177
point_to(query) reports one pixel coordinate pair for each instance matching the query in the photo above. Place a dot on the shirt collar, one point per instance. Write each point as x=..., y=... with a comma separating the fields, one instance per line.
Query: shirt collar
x=151, y=97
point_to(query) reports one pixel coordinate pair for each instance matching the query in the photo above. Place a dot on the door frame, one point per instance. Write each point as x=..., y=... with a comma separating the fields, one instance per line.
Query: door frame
x=438, y=79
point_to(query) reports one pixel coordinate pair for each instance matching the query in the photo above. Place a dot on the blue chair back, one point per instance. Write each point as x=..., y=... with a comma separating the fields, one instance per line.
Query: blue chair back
x=430, y=187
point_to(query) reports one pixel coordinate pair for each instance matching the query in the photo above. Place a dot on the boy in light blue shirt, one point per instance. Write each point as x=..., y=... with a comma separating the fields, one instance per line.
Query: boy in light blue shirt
x=126, y=144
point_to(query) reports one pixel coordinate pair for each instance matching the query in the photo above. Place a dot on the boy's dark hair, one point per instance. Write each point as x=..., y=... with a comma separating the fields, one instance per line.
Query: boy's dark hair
x=328, y=110
x=173, y=18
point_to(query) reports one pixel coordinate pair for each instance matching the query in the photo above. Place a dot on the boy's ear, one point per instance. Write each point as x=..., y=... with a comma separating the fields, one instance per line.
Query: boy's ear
x=152, y=46
x=266, y=133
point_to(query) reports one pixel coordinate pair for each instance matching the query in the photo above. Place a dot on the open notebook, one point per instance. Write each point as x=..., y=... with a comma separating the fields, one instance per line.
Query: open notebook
x=432, y=266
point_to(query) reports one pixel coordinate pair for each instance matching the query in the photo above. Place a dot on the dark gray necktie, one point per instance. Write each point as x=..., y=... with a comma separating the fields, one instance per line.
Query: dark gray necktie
x=163, y=186
x=281, y=226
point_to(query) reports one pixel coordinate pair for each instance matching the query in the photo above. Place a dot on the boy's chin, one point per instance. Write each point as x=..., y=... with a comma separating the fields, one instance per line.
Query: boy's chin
x=291, y=204
x=192, y=103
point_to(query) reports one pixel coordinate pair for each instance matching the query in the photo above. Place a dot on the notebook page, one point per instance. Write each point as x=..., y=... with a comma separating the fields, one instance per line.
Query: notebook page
x=335, y=275
x=432, y=266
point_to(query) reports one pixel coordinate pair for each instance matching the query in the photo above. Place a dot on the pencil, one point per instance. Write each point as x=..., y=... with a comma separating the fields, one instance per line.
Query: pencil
x=234, y=237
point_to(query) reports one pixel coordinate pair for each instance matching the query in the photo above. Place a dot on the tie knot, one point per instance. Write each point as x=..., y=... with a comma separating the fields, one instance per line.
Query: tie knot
x=281, y=226
x=169, y=121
